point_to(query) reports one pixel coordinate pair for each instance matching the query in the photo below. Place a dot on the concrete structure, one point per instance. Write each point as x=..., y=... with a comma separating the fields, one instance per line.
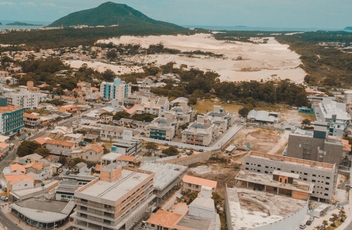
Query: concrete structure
x=192, y=183
x=11, y=119
x=31, y=121
x=156, y=106
x=19, y=182
x=348, y=97
x=115, y=90
x=263, y=116
x=221, y=118
x=201, y=132
x=254, y=210
x=323, y=175
x=64, y=148
x=166, y=180
x=279, y=183
x=119, y=199
x=162, y=128
x=42, y=213
x=24, y=98
x=315, y=146
x=115, y=133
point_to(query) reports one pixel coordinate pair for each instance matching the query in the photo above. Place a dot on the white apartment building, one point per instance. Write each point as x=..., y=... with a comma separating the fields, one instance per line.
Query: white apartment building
x=115, y=90
x=24, y=98
x=322, y=175
x=117, y=200
x=162, y=128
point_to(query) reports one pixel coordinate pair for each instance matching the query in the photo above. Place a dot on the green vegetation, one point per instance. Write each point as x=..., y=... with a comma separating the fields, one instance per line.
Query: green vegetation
x=145, y=117
x=27, y=148
x=170, y=151
x=326, y=65
x=108, y=14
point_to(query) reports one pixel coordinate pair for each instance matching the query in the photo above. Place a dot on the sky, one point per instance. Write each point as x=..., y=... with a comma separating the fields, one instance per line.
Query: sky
x=334, y=14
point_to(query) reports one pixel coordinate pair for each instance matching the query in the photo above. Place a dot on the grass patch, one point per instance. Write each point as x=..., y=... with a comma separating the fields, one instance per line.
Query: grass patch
x=308, y=116
x=207, y=105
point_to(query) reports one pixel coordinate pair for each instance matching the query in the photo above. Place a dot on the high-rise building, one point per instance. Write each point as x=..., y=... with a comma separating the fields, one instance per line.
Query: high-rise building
x=11, y=119
x=118, y=199
x=115, y=90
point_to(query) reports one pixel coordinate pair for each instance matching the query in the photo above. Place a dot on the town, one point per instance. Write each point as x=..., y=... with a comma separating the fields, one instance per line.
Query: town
x=110, y=153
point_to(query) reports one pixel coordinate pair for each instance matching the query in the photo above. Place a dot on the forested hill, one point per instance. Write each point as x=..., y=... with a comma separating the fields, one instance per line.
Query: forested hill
x=108, y=14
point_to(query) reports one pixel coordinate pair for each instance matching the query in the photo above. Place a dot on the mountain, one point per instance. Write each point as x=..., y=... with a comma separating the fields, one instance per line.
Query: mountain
x=21, y=24
x=348, y=28
x=108, y=14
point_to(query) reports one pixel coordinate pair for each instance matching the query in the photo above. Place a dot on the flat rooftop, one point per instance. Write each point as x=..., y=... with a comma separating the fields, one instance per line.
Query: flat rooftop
x=250, y=209
x=164, y=173
x=194, y=222
x=112, y=191
x=267, y=179
x=42, y=210
x=292, y=160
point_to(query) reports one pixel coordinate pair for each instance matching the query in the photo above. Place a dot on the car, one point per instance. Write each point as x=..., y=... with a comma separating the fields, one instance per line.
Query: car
x=309, y=222
x=339, y=207
x=302, y=226
x=166, y=144
x=201, y=150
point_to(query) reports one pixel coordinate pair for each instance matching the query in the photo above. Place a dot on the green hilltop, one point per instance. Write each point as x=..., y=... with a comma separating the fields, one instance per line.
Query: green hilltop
x=108, y=14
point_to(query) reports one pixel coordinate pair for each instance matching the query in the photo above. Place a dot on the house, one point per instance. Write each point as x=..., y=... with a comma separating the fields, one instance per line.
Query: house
x=64, y=148
x=68, y=109
x=192, y=183
x=92, y=153
x=163, y=127
x=19, y=181
x=14, y=169
x=31, y=121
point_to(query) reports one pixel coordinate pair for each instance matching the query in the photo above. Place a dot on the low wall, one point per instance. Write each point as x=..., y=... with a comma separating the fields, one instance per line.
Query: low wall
x=188, y=160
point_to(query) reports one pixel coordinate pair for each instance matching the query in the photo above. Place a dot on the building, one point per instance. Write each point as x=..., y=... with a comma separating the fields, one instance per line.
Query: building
x=31, y=121
x=115, y=90
x=64, y=148
x=42, y=213
x=263, y=116
x=201, y=215
x=128, y=145
x=192, y=183
x=11, y=119
x=201, y=132
x=118, y=199
x=278, y=182
x=19, y=182
x=315, y=146
x=167, y=179
x=162, y=128
x=323, y=175
x=24, y=98
x=219, y=117
x=348, y=97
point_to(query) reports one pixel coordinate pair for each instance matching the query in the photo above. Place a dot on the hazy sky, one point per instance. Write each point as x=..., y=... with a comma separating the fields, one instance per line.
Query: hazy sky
x=253, y=13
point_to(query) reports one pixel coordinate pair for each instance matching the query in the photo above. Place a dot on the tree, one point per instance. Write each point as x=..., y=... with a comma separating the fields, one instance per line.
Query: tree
x=325, y=223
x=111, y=55
x=62, y=160
x=151, y=147
x=108, y=75
x=44, y=152
x=119, y=115
x=27, y=148
x=171, y=151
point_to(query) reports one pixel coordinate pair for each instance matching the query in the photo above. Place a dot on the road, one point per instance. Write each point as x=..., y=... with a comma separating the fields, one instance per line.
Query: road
x=7, y=223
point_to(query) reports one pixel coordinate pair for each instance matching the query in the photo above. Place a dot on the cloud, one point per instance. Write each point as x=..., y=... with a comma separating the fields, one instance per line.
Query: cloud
x=29, y=4
x=7, y=3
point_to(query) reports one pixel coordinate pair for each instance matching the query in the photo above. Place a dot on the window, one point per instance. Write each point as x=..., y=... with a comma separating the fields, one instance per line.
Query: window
x=325, y=194
x=247, y=168
x=305, y=174
x=327, y=183
x=259, y=165
x=327, y=189
x=292, y=171
x=327, y=177
x=313, y=180
x=266, y=167
x=247, y=163
x=258, y=170
x=266, y=172
x=304, y=178
x=278, y=168
x=314, y=175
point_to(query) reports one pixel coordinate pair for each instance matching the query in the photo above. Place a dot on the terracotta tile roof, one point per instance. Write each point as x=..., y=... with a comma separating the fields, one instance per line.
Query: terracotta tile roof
x=40, y=140
x=28, y=115
x=199, y=181
x=9, y=108
x=61, y=143
x=346, y=145
x=96, y=148
x=13, y=179
x=127, y=158
x=35, y=165
x=3, y=145
x=164, y=219
x=19, y=167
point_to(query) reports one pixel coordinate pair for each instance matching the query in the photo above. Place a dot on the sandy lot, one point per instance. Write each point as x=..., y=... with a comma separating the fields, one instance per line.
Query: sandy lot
x=258, y=61
x=101, y=67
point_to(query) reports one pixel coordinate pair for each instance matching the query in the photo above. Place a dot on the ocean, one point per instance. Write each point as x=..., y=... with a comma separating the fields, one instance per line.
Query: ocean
x=271, y=29
x=7, y=27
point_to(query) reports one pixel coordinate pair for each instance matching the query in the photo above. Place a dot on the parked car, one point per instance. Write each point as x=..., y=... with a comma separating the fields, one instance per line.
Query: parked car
x=302, y=226
x=309, y=222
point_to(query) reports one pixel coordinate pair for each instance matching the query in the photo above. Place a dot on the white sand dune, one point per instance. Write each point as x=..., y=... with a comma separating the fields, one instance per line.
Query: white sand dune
x=258, y=61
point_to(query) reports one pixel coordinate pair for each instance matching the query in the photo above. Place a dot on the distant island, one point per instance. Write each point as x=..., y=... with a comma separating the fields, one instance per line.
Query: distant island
x=112, y=14
x=22, y=24
x=240, y=26
x=348, y=28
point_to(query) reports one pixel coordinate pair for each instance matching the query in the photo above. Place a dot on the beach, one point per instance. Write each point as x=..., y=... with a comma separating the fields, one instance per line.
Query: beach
x=241, y=61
